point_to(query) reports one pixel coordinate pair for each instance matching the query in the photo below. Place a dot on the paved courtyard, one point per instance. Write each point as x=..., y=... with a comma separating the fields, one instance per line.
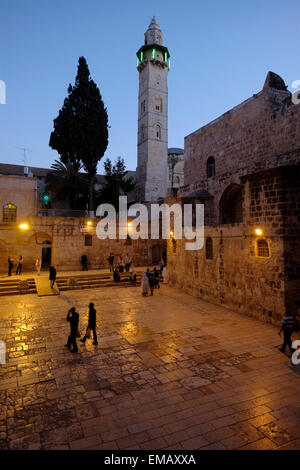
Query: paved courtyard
x=170, y=372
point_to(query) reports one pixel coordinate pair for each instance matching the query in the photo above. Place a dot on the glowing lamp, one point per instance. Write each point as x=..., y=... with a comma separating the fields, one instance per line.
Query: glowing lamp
x=258, y=231
x=24, y=226
x=89, y=223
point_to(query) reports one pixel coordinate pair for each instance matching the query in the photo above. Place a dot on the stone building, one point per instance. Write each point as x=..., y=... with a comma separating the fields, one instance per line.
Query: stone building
x=245, y=168
x=175, y=169
x=57, y=235
x=152, y=144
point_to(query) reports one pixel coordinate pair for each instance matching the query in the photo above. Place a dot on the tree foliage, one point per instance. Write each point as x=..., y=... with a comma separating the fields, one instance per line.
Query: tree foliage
x=80, y=133
x=65, y=182
x=117, y=183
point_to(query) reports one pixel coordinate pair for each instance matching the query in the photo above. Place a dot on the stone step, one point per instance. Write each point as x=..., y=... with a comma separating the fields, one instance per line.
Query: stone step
x=75, y=282
x=17, y=287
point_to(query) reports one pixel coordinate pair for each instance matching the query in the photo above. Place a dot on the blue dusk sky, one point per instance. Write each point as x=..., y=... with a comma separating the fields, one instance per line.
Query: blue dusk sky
x=220, y=52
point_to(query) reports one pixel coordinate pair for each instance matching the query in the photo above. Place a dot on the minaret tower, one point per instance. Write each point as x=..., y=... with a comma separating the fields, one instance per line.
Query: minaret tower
x=152, y=154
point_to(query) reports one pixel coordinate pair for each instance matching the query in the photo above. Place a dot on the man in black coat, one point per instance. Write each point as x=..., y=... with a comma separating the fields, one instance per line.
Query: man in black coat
x=84, y=261
x=73, y=318
x=10, y=265
x=91, y=325
x=52, y=275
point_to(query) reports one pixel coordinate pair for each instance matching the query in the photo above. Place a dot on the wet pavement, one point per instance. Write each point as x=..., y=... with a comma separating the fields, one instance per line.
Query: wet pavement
x=170, y=372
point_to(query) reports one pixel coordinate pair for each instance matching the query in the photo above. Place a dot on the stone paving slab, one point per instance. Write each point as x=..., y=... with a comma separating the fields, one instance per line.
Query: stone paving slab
x=170, y=372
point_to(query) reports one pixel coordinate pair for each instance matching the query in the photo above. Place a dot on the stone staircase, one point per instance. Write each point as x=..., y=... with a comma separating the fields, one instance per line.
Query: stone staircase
x=87, y=281
x=72, y=281
x=17, y=286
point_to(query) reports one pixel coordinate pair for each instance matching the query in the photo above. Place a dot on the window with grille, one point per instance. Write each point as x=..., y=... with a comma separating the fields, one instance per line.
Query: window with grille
x=9, y=213
x=209, y=248
x=88, y=240
x=263, y=250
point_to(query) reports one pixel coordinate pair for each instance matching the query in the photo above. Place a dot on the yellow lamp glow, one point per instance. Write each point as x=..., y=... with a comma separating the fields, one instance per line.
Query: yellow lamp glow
x=171, y=233
x=129, y=224
x=89, y=222
x=24, y=226
x=258, y=231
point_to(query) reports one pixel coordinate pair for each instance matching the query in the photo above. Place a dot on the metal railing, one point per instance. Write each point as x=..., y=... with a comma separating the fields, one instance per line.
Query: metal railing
x=62, y=213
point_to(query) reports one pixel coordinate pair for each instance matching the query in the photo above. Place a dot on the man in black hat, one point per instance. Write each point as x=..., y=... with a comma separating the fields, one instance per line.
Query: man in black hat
x=73, y=318
x=91, y=325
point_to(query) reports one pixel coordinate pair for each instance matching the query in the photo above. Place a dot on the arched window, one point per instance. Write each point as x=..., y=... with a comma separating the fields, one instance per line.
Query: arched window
x=210, y=167
x=231, y=205
x=158, y=131
x=9, y=212
x=209, y=248
x=262, y=248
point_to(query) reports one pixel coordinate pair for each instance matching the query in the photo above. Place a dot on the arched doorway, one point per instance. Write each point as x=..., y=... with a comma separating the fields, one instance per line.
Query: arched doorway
x=231, y=205
x=46, y=254
x=156, y=254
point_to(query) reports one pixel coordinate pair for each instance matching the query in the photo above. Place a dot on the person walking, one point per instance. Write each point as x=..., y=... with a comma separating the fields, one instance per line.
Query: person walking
x=156, y=278
x=73, y=319
x=10, y=265
x=127, y=262
x=20, y=265
x=288, y=326
x=111, y=263
x=91, y=325
x=52, y=276
x=84, y=261
x=38, y=265
x=151, y=282
x=145, y=285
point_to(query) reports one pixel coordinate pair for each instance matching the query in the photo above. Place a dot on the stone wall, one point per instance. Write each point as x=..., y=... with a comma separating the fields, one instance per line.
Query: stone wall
x=20, y=191
x=262, y=132
x=263, y=287
x=67, y=243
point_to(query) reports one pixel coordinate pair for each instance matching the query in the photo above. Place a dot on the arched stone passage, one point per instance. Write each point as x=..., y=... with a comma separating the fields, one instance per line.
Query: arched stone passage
x=231, y=205
x=156, y=254
x=40, y=238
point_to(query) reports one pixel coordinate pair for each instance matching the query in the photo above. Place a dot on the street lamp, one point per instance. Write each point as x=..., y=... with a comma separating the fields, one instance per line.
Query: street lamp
x=24, y=226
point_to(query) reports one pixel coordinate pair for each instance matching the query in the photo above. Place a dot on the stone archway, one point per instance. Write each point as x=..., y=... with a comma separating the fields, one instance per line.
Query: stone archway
x=231, y=205
x=156, y=254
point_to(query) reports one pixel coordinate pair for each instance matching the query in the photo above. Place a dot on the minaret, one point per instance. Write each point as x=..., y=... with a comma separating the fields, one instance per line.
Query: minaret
x=152, y=154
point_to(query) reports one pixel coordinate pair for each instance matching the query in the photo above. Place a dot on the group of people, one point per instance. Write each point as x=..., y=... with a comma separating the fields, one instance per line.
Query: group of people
x=150, y=281
x=121, y=265
x=73, y=319
x=11, y=265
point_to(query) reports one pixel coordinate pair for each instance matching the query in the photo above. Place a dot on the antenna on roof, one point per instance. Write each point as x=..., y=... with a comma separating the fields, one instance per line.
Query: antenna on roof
x=24, y=153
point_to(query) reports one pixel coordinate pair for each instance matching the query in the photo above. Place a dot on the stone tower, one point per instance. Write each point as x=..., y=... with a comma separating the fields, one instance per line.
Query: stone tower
x=152, y=155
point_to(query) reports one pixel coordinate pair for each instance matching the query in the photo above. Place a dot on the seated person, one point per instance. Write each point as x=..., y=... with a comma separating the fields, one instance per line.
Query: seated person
x=116, y=275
